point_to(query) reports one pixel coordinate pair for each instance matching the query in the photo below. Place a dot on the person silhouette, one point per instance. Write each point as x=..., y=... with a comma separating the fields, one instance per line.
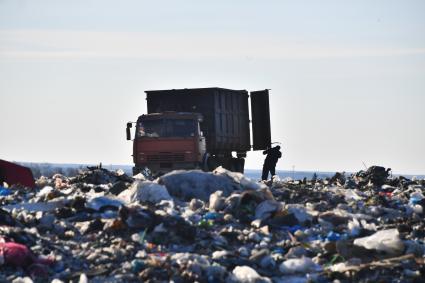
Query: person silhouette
x=273, y=154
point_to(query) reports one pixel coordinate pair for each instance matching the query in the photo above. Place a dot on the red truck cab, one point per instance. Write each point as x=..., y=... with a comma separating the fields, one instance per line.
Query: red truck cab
x=168, y=141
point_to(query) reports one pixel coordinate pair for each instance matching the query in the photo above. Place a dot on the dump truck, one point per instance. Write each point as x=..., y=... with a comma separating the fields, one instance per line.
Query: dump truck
x=199, y=128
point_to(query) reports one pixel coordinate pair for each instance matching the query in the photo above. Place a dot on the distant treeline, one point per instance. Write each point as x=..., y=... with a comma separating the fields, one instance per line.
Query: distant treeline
x=48, y=170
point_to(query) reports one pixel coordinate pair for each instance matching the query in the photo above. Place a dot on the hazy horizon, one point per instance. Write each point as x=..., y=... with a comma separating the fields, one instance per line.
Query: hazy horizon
x=114, y=166
x=347, y=78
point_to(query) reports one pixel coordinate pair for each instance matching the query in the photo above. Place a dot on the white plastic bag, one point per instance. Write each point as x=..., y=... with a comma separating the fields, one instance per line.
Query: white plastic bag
x=387, y=241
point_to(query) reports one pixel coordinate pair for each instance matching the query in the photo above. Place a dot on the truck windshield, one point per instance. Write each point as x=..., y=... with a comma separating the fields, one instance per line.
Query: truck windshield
x=179, y=128
x=149, y=128
x=166, y=128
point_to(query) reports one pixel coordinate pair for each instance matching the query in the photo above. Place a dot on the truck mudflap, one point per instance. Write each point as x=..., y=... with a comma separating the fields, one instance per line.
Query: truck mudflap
x=260, y=111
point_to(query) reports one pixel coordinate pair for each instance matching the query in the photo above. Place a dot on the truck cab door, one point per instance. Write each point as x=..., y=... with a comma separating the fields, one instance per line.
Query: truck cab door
x=260, y=112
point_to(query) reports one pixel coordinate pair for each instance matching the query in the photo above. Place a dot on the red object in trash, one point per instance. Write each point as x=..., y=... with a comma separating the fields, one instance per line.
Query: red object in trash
x=386, y=194
x=16, y=254
x=19, y=255
x=12, y=174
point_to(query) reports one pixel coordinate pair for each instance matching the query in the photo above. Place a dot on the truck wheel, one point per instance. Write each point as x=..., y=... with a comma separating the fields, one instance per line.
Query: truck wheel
x=227, y=163
x=238, y=164
x=136, y=170
x=212, y=163
x=241, y=165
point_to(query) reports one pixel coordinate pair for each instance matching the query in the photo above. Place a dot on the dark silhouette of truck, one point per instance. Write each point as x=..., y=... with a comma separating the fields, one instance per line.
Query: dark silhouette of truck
x=199, y=128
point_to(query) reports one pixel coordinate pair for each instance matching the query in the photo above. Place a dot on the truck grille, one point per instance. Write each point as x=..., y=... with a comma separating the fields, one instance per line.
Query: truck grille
x=166, y=157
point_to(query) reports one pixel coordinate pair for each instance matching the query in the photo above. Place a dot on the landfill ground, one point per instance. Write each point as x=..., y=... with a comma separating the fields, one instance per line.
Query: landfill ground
x=193, y=226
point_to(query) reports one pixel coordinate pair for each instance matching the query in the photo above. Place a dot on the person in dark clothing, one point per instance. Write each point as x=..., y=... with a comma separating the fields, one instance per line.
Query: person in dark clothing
x=273, y=154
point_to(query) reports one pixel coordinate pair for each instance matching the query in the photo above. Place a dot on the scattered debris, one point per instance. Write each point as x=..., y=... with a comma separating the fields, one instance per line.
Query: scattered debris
x=193, y=226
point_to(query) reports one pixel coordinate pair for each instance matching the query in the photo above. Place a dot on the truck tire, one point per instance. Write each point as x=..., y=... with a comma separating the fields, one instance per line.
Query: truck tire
x=210, y=163
x=239, y=165
x=136, y=170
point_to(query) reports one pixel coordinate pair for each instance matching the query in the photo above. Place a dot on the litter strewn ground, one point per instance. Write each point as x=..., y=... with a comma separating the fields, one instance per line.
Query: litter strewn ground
x=192, y=226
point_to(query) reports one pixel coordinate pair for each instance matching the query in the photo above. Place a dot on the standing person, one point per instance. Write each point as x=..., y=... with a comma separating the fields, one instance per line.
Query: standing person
x=273, y=154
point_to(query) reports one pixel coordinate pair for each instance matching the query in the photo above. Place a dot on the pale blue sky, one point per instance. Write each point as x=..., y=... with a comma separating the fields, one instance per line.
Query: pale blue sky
x=347, y=78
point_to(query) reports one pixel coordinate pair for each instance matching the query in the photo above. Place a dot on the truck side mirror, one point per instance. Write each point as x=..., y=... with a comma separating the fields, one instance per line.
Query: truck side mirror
x=129, y=125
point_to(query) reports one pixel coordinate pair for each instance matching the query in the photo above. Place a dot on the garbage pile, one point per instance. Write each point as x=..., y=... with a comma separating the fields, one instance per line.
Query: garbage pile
x=193, y=226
